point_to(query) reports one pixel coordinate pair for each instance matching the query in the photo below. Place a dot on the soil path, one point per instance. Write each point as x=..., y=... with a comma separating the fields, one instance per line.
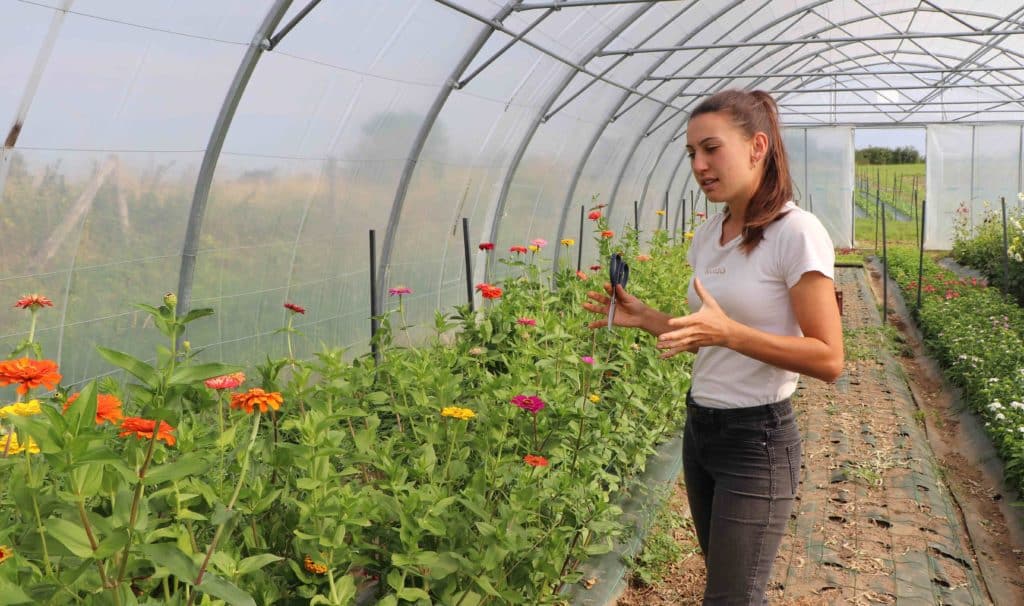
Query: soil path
x=876, y=521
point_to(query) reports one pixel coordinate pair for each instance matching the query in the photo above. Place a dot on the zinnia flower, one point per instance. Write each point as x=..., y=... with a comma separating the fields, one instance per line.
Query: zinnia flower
x=5, y=552
x=518, y=249
x=643, y=258
x=581, y=275
x=587, y=360
x=701, y=215
x=21, y=409
x=660, y=212
x=595, y=398
x=568, y=242
x=594, y=215
x=15, y=447
x=33, y=302
x=539, y=242
x=455, y=412
x=533, y=248
x=108, y=407
x=400, y=290
x=486, y=246
x=256, y=397
x=477, y=351
x=526, y=322
x=489, y=291
x=230, y=381
x=29, y=374
x=297, y=309
x=314, y=567
x=607, y=234
x=535, y=461
x=689, y=235
x=595, y=268
x=143, y=429
x=531, y=404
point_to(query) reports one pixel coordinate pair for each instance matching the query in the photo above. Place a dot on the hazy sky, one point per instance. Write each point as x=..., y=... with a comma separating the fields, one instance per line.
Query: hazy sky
x=886, y=137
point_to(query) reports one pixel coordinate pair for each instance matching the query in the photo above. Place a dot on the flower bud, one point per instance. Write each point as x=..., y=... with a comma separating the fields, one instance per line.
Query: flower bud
x=170, y=299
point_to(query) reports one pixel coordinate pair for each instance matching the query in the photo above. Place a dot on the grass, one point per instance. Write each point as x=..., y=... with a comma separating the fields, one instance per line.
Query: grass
x=661, y=548
x=894, y=183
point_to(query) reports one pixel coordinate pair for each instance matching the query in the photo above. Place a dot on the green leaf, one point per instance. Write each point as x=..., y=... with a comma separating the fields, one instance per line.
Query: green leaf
x=69, y=535
x=137, y=368
x=412, y=594
x=254, y=563
x=111, y=545
x=188, y=465
x=187, y=375
x=195, y=314
x=485, y=584
x=168, y=555
x=82, y=412
x=12, y=594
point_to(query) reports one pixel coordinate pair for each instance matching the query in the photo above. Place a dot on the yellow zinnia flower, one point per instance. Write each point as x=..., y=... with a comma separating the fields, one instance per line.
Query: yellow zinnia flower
x=21, y=409
x=15, y=447
x=533, y=248
x=568, y=242
x=595, y=398
x=689, y=235
x=660, y=213
x=457, y=413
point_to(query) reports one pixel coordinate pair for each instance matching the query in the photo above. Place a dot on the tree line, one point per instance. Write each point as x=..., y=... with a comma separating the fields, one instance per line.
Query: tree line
x=886, y=155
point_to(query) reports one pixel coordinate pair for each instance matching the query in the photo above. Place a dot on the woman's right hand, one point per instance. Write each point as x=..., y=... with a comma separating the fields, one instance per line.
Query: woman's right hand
x=630, y=312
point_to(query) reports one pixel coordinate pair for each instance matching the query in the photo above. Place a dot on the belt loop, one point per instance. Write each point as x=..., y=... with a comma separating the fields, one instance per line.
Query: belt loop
x=776, y=417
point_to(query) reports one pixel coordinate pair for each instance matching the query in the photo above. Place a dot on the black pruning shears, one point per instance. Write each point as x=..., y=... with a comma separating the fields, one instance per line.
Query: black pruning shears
x=618, y=271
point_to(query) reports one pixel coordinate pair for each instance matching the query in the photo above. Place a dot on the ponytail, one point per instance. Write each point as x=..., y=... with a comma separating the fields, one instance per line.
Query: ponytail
x=755, y=112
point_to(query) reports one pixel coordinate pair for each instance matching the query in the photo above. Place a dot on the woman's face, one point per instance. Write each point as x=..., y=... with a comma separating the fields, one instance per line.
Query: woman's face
x=726, y=163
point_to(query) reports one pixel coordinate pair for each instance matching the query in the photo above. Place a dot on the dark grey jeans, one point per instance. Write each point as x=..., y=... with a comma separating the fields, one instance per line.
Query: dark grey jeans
x=742, y=468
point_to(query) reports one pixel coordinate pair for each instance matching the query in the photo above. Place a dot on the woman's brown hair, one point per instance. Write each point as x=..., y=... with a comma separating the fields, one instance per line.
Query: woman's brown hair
x=754, y=112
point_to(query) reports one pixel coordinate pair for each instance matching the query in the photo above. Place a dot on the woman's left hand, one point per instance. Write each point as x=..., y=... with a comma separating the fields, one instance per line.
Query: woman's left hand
x=708, y=327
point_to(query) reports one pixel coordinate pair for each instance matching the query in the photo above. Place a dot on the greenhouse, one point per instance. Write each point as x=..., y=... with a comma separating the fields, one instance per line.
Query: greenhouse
x=330, y=277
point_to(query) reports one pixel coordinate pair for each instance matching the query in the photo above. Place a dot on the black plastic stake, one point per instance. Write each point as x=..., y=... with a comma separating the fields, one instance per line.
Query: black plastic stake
x=885, y=272
x=878, y=205
x=666, y=210
x=920, y=256
x=374, y=305
x=810, y=202
x=693, y=209
x=469, y=262
x=579, y=251
x=1006, y=252
x=636, y=218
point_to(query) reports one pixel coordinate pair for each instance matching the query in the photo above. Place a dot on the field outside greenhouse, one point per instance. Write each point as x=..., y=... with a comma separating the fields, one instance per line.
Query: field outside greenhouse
x=294, y=299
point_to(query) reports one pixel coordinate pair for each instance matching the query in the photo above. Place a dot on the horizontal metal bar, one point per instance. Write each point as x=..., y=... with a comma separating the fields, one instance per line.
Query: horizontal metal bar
x=846, y=40
x=579, y=68
x=895, y=72
x=783, y=104
x=559, y=4
x=898, y=111
x=871, y=89
x=896, y=125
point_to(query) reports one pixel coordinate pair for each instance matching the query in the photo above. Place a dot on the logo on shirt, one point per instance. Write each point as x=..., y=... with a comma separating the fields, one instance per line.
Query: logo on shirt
x=715, y=270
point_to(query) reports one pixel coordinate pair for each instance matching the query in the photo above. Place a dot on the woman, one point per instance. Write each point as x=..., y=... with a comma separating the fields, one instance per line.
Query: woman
x=763, y=313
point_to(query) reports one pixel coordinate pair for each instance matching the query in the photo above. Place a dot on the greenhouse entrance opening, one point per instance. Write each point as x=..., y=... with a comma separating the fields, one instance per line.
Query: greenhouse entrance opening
x=889, y=174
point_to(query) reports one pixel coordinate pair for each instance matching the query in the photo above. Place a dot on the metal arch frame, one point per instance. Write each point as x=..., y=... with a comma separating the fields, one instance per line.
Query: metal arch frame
x=197, y=213
x=517, y=157
x=797, y=13
x=398, y=204
x=752, y=62
x=599, y=131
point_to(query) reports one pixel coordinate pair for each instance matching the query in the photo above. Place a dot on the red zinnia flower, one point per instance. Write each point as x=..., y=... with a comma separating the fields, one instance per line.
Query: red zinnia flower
x=535, y=461
x=230, y=381
x=486, y=246
x=256, y=397
x=292, y=307
x=108, y=407
x=518, y=249
x=399, y=291
x=607, y=233
x=594, y=215
x=526, y=322
x=581, y=275
x=489, y=291
x=595, y=268
x=143, y=428
x=33, y=302
x=29, y=374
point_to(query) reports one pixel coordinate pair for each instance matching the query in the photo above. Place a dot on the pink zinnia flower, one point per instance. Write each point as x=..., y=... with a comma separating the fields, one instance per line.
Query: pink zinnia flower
x=539, y=242
x=230, y=381
x=587, y=360
x=531, y=404
x=400, y=290
x=526, y=322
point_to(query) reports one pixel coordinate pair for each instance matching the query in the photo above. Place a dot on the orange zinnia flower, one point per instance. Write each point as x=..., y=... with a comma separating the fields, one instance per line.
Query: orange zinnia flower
x=33, y=302
x=108, y=407
x=143, y=428
x=535, y=461
x=230, y=381
x=5, y=552
x=29, y=374
x=256, y=397
x=607, y=233
x=314, y=567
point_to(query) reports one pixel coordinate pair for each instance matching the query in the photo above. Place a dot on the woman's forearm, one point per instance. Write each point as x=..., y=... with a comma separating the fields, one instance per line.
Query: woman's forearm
x=805, y=355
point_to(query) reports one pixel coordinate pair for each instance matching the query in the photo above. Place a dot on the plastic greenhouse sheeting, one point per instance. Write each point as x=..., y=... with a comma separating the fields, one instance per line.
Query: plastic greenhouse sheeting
x=261, y=140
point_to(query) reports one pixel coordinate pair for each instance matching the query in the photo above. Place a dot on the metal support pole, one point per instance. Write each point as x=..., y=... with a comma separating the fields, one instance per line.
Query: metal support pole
x=920, y=256
x=469, y=262
x=1006, y=246
x=666, y=208
x=579, y=243
x=885, y=273
x=374, y=303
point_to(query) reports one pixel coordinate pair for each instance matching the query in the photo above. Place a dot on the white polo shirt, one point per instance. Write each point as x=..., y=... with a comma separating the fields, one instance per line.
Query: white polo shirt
x=753, y=290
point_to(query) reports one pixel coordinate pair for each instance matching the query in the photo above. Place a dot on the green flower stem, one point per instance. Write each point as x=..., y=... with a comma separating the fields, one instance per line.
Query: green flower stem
x=288, y=337
x=32, y=327
x=451, y=448
x=7, y=443
x=139, y=488
x=35, y=508
x=94, y=546
x=230, y=506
